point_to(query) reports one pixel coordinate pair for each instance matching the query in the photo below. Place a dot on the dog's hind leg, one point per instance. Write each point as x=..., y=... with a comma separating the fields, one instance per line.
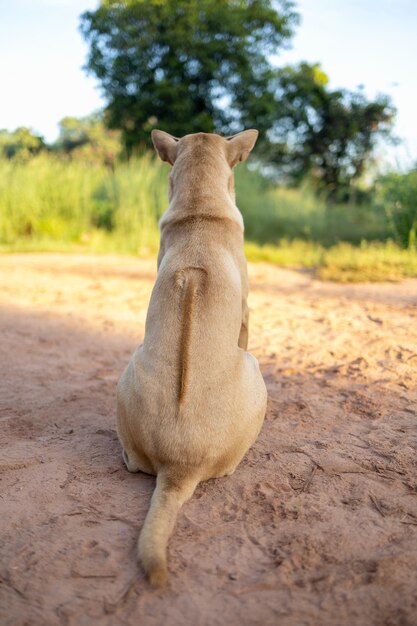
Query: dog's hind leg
x=137, y=463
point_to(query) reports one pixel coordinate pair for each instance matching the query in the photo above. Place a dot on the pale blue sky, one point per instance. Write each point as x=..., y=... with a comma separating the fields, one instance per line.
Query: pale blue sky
x=368, y=42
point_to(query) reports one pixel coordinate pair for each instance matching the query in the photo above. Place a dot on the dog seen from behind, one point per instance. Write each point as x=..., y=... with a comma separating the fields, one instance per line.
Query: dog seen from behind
x=192, y=399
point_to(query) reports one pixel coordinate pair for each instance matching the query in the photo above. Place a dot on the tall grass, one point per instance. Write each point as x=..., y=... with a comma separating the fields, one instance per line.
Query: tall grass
x=273, y=213
x=398, y=195
x=342, y=262
x=47, y=203
x=47, y=199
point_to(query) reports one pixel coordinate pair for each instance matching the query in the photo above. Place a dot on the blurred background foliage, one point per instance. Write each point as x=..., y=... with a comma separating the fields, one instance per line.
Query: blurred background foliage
x=311, y=192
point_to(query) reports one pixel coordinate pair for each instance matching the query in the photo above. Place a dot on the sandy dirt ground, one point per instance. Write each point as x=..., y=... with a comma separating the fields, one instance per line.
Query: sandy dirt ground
x=318, y=525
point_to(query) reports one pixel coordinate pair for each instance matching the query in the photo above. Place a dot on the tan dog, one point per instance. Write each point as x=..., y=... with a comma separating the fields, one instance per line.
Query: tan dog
x=192, y=400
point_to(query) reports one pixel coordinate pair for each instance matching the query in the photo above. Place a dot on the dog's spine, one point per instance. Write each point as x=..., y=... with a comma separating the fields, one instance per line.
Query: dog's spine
x=192, y=282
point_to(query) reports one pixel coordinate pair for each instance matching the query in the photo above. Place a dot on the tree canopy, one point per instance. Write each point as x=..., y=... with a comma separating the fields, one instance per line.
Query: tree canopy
x=89, y=139
x=186, y=65
x=331, y=134
x=20, y=144
x=209, y=65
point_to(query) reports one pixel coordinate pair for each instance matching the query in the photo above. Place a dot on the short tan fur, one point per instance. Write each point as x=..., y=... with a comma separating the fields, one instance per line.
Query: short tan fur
x=192, y=399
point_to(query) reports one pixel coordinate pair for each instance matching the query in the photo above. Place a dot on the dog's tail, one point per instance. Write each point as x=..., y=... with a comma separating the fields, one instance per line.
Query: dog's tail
x=172, y=490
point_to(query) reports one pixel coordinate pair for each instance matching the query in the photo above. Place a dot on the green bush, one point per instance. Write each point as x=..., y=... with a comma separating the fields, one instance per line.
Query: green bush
x=273, y=213
x=398, y=194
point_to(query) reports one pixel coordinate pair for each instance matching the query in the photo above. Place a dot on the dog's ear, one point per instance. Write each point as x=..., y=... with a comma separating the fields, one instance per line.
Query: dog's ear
x=165, y=145
x=239, y=146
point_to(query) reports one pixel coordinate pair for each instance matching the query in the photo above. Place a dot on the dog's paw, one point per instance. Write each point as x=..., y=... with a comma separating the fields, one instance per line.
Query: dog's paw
x=130, y=465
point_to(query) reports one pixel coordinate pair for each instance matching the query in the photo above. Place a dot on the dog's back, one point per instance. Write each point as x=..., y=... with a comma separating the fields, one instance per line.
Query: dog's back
x=191, y=401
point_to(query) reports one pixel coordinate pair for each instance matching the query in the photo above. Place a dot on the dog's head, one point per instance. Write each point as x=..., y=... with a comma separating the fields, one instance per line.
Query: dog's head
x=203, y=161
x=233, y=149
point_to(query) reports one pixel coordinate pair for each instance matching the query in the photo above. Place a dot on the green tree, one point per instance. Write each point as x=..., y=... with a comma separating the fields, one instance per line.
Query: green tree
x=330, y=135
x=20, y=144
x=187, y=65
x=88, y=139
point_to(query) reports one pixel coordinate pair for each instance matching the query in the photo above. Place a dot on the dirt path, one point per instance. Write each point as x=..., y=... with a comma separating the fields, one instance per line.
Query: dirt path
x=318, y=526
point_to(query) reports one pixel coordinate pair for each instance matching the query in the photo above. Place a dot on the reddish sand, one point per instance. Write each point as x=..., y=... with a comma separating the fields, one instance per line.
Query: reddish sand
x=318, y=526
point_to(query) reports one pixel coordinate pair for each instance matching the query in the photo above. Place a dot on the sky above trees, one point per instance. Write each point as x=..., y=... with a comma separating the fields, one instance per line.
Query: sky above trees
x=368, y=42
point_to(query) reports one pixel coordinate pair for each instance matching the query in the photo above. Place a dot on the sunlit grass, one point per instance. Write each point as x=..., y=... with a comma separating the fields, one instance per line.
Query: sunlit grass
x=48, y=199
x=368, y=262
x=51, y=205
x=343, y=262
x=296, y=254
